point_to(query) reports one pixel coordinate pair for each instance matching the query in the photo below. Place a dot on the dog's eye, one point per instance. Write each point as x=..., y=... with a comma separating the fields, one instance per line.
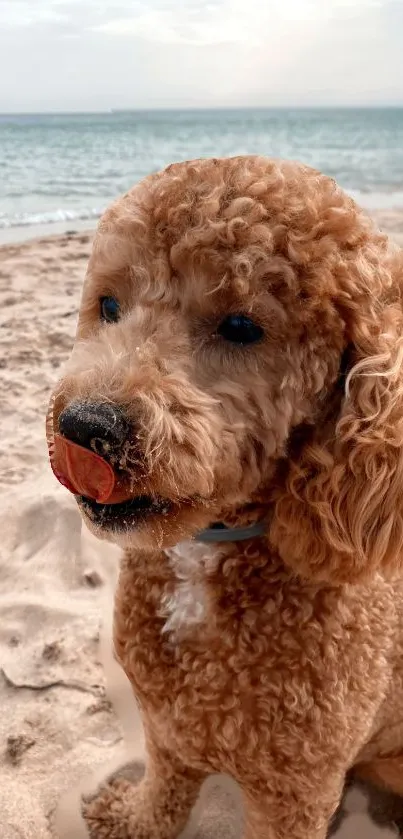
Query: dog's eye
x=239, y=329
x=109, y=309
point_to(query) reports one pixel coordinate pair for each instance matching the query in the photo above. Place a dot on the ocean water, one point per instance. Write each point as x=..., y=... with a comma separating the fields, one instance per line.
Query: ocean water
x=67, y=168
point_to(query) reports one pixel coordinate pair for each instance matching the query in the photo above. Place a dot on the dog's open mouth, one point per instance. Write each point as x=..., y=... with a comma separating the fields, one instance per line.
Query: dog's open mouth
x=125, y=514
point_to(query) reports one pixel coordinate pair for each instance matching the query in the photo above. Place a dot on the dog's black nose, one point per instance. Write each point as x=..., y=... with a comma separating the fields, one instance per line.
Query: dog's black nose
x=98, y=426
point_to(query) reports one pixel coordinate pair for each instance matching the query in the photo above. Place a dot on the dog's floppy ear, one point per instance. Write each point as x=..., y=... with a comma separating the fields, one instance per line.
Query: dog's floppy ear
x=339, y=515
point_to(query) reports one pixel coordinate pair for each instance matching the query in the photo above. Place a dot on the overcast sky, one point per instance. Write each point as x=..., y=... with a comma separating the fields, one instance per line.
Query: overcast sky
x=99, y=54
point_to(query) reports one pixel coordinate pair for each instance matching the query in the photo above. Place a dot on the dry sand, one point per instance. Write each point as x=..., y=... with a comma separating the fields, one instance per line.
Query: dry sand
x=57, y=724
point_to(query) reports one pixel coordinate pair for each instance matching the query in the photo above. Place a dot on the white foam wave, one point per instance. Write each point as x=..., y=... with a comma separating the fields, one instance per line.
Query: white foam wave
x=51, y=217
x=378, y=200
x=369, y=200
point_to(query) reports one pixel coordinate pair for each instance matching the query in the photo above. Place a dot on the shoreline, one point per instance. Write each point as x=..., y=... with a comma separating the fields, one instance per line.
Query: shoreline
x=387, y=208
x=51, y=230
x=389, y=219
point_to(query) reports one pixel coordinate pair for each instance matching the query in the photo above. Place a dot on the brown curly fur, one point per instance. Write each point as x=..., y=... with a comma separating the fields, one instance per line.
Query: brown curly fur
x=289, y=671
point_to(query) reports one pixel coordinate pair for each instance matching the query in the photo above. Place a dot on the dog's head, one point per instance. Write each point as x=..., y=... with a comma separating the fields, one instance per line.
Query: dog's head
x=239, y=353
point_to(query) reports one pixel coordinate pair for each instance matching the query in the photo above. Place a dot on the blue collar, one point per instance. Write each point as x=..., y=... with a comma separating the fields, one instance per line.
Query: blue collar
x=219, y=532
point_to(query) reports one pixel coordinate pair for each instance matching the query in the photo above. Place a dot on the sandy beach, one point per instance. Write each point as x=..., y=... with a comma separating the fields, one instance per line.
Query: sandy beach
x=57, y=723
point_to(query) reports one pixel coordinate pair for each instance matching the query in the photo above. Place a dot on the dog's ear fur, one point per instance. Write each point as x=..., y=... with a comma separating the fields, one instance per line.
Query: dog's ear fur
x=339, y=514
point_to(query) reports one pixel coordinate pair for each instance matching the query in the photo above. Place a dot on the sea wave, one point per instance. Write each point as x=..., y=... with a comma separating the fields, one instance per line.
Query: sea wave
x=371, y=201
x=51, y=217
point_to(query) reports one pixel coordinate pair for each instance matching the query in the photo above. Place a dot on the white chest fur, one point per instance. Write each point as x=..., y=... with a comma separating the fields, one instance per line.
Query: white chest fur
x=186, y=607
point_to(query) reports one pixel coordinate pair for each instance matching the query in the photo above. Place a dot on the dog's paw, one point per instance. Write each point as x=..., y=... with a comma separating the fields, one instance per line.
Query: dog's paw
x=109, y=815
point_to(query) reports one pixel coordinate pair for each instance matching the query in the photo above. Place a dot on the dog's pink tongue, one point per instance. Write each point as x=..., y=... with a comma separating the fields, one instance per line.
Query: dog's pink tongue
x=84, y=472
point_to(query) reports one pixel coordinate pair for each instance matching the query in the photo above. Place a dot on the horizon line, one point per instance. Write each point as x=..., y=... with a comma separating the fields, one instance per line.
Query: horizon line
x=204, y=108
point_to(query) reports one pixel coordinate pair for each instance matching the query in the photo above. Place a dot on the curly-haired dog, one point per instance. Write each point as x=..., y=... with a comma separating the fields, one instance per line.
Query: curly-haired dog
x=239, y=361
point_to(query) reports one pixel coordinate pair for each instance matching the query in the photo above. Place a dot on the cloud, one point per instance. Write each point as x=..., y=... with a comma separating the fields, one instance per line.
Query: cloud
x=15, y=14
x=177, y=22
x=176, y=53
x=228, y=21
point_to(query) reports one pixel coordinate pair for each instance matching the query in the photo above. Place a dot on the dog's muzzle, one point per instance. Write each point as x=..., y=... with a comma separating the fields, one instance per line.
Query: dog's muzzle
x=79, y=451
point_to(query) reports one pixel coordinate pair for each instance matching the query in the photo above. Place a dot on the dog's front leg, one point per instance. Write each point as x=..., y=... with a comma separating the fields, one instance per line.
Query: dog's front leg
x=297, y=811
x=158, y=808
